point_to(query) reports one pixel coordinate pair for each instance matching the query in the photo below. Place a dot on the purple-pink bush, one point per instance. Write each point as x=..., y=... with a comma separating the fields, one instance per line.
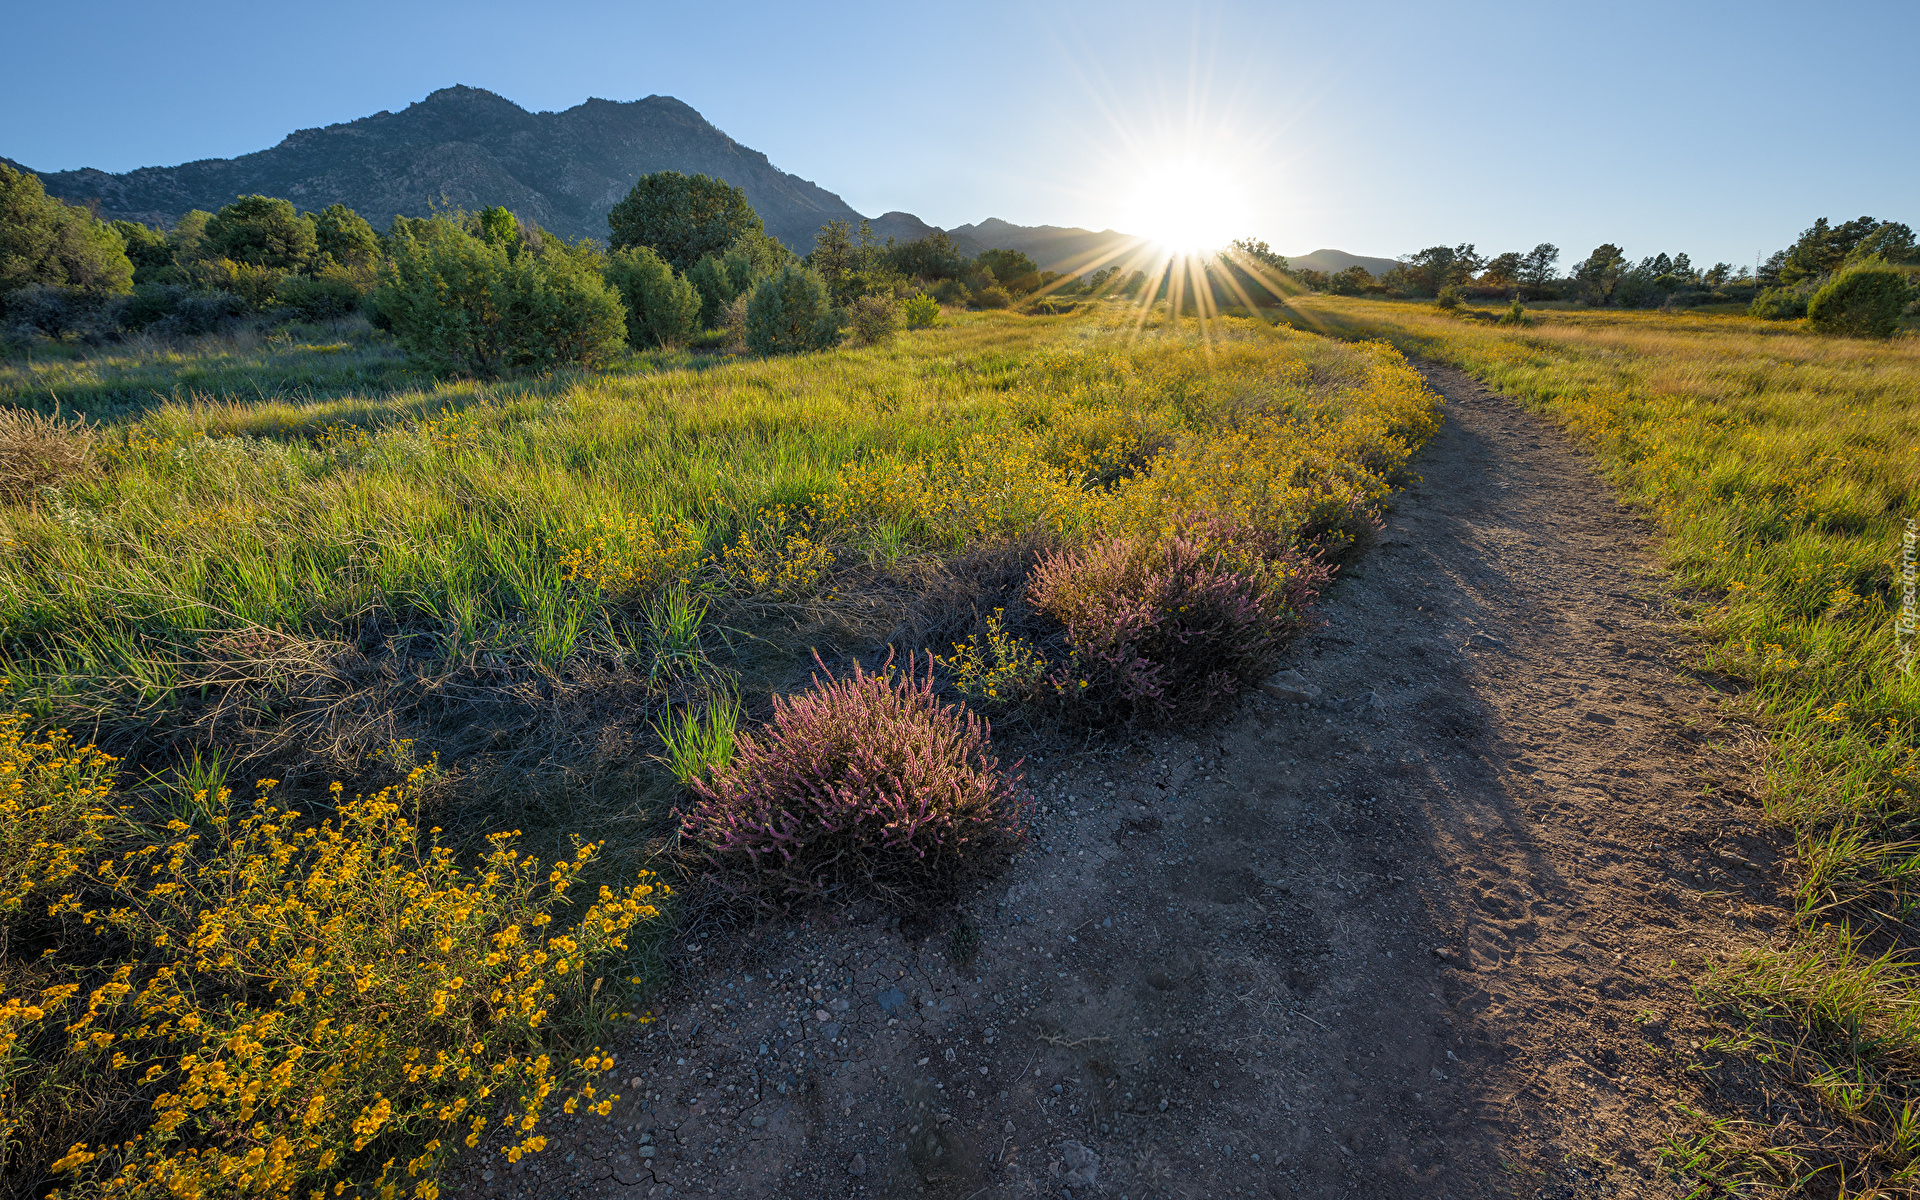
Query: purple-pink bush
x=1171, y=629
x=863, y=781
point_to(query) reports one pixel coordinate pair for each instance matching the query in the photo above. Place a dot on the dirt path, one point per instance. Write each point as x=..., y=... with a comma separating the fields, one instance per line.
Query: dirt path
x=1419, y=950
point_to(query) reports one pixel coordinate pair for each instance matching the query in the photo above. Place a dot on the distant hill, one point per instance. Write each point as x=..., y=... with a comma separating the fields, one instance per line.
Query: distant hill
x=1339, y=260
x=1052, y=247
x=471, y=148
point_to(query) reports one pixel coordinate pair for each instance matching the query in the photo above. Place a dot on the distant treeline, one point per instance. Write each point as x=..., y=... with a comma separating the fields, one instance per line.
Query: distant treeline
x=687, y=258
x=1784, y=286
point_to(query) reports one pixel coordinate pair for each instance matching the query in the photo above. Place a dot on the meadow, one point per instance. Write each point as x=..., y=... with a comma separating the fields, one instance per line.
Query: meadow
x=1781, y=467
x=515, y=620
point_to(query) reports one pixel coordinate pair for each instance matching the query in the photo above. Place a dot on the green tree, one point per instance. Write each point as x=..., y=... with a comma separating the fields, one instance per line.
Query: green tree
x=789, y=313
x=1011, y=269
x=922, y=311
x=682, y=218
x=147, y=250
x=458, y=303
x=344, y=238
x=932, y=257
x=46, y=241
x=1599, y=274
x=663, y=308
x=1861, y=301
x=1502, y=270
x=261, y=231
x=1439, y=267
x=1538, y=266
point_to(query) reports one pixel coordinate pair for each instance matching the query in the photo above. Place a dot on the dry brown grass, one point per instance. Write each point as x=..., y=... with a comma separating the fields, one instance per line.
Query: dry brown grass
x=37, y=450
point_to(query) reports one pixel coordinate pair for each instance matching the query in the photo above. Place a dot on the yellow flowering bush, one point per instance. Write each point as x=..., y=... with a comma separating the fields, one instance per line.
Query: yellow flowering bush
x=317, y=1006
x=777, y=555
x=53, y=809
x=629, y=556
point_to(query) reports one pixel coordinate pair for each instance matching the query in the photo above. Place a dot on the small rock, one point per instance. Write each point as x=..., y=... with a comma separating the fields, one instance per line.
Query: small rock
x=647, y=1151
x=1365, y=700
x=758, y=1122
x=1489, y=641
x=1009, y=1128
x=1083, y=1166
x=1444, y=954
x=1290, y=687
x=858, y=1166
x=821, y=1014
x=1216, y=1085
x=892, y=1000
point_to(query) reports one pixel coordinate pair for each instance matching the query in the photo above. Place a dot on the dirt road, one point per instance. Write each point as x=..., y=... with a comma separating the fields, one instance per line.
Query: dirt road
x=1419, y=948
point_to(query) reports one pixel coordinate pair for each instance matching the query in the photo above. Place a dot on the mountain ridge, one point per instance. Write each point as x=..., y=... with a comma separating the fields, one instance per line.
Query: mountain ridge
x=466, y=147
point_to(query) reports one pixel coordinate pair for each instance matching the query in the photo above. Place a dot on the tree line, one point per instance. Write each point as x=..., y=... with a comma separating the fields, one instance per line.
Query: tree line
x=1867, y=264
x=686, y=259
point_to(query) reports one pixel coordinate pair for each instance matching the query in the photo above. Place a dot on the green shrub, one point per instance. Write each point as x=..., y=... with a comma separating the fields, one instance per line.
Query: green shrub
x=663, y=309
x=1861, y=302
x=721, y=277
x=682, y=218
x=261, y=231
x=789, y=313
x=1779, y=304
x=922, y=311
x=147, y=250
x=1450, y=297
x=457, y=303
x=343, y=237
x=324, y=297
x=950, y=291
x=45, y=241
x=873, y=319
x=992, y=296
x=1014, y=270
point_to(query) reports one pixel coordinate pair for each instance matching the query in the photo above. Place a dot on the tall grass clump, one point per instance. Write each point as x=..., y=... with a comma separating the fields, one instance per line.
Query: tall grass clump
x=283, y=1005
x=862, y=782
x=37, y=451
x=1781, y=467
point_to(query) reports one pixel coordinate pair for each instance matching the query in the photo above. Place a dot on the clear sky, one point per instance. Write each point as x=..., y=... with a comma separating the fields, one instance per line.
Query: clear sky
x=1719, y=129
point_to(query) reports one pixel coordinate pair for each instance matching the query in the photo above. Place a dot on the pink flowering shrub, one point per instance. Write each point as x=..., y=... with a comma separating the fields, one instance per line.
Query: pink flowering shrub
x=1171, y=629
x=862, y=781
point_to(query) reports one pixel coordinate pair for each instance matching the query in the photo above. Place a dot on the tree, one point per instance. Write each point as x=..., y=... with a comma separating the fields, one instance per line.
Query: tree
x=343, y=238
x=931, y=257
x=833, y=258
x=789, y=313
x=1437, y=267
x=1599, y=274
x=1259, y=252
x=1825, y=248
x=46, y=241
x=147, y=250
x=1863, y=301
x=1537, y=266
x=260, y=231
x=663, y=308
x=1011, y=269
x=1502, y=270
x=682, y=218
x=459, y=303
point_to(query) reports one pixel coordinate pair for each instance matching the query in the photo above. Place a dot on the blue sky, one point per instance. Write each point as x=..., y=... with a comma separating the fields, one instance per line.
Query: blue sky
x=1718, y=129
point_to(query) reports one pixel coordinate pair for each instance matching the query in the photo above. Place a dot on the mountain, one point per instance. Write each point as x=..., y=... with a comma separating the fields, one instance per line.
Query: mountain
x=1051, y=247
x=1339, y=260
x=470, y=148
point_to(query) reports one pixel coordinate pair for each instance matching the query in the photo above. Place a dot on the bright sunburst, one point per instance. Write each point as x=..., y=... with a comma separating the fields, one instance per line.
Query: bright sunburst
x=1187, y=206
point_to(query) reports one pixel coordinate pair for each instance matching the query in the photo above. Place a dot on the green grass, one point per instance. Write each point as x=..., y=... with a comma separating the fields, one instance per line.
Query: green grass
x=570, y=592
x=1782, y=468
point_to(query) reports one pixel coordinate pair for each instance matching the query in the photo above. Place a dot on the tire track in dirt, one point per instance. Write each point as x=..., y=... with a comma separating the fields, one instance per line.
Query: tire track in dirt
x=1415, y=949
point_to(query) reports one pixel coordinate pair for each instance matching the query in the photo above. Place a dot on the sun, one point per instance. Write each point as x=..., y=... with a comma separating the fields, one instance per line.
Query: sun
x=1186, y=206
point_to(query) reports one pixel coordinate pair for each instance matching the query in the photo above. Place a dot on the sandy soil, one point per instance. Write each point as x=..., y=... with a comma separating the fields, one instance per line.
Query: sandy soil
x=1434, y=946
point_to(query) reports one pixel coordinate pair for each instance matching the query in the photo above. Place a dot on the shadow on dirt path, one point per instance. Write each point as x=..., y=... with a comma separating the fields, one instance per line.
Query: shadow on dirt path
x=1418, y=948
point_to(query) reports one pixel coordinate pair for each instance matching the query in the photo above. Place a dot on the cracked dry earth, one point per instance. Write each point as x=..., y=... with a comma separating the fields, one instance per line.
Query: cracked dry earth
x=1438, y=948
